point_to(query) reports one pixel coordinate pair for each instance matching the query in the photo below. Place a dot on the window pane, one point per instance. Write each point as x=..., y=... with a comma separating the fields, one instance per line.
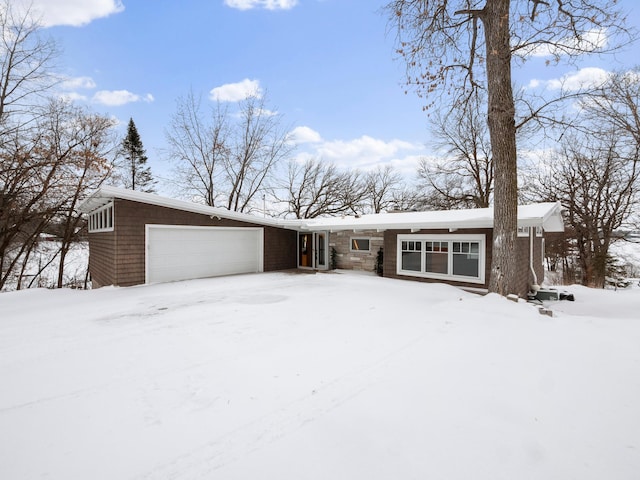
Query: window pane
x=411, y=261
x=436, y=263
x=360, y=244
x=456, y=246
x=467, y=265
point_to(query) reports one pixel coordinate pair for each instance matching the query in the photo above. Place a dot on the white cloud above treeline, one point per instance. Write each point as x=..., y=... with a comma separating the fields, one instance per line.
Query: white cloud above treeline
x=116, y=98
x=364, y=153
x=266, y=4
x=236, y=92
x=300, y=135
x=68, y=12
x=75, y=83
x=72, y=87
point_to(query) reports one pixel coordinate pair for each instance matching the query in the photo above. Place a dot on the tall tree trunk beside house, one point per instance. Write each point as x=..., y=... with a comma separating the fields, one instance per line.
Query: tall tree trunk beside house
x=502, y=131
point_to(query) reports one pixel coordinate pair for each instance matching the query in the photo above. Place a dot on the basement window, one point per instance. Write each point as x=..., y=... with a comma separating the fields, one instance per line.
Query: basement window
x=445, y=257
x=101, y=220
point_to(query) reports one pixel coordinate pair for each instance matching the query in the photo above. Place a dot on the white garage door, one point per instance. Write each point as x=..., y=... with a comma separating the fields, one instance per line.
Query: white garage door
x=184, y=252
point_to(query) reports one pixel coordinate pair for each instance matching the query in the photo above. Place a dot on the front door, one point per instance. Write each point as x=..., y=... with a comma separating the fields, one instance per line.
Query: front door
x=313, y=250
x=305, y=250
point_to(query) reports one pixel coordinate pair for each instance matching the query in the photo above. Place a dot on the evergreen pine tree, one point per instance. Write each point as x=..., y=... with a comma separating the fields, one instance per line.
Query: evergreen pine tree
x=136, y=173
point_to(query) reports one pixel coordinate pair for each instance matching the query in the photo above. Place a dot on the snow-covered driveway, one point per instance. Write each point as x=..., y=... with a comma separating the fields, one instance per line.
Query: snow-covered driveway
x=325, y=376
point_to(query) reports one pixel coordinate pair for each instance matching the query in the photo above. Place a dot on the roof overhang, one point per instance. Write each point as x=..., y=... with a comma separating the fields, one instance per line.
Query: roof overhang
x=545, y=215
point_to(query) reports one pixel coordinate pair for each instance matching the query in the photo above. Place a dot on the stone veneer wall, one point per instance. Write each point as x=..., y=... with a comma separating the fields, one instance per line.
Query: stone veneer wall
x=351, y=260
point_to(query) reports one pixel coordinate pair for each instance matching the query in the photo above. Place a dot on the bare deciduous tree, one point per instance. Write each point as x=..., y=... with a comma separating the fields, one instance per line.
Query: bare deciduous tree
x=84, y=168
x=596, y=174
x=382, y=188
x=44, y=172
x=597, y=182
x=315, y=189
x=258, y=144
x=457, y=47
x=198, y=144
x=464, y=178
x=26, y=58
x=223, y=158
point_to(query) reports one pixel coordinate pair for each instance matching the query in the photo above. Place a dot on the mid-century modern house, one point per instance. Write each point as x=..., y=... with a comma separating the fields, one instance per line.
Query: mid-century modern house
x=137, y=238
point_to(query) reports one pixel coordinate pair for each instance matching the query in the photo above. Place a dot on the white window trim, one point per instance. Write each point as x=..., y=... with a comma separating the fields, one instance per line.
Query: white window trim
x=101, y=219
x=355, y=237
x=480, y=238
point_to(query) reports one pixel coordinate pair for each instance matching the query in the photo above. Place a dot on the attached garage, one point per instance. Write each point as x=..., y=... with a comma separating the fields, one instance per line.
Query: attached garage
x=179, y=252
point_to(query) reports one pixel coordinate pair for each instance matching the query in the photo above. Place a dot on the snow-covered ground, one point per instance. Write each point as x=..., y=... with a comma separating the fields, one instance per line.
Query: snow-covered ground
x=317, y=376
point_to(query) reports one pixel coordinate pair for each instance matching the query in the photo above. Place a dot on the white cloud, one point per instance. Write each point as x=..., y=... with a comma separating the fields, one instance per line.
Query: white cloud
x=116, y=98
x=69, y=12
x=363, y=153
x=235, y=92
x=366, y=149
x=593, y=40
x=574, y=81
x=267, y=4
x=305, y=135
x=78, y=82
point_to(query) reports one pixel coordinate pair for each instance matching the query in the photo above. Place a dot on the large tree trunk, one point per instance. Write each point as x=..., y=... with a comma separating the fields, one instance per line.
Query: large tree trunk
x=501, y=120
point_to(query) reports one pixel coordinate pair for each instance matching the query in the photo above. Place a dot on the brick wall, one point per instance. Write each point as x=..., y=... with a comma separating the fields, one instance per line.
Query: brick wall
x=124, y=264
x=356, y=260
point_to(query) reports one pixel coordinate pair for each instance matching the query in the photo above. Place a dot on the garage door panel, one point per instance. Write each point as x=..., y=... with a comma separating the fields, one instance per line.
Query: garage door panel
x=181, y=253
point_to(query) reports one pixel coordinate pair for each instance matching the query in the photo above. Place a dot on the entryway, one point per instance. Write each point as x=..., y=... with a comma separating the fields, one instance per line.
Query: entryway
x=313, y=250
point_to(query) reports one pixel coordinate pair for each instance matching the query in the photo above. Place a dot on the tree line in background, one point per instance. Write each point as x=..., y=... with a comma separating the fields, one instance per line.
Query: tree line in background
x=53, y=154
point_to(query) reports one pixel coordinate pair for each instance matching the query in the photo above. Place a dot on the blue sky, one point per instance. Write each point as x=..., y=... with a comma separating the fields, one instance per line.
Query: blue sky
x=327, y=65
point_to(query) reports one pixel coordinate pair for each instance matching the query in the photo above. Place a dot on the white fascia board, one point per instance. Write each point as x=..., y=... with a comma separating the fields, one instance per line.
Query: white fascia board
x=546, y=215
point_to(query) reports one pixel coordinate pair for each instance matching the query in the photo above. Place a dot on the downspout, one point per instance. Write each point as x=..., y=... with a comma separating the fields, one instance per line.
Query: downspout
x=535, y=287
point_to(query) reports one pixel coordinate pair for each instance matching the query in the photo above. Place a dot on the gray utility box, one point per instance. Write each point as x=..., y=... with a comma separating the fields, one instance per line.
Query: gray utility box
x=552, y=294
x=547, y=294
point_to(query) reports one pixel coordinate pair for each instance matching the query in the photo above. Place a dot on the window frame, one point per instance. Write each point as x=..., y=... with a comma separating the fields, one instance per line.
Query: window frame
x=101, y=219
x=450, y=239
x=351, y=249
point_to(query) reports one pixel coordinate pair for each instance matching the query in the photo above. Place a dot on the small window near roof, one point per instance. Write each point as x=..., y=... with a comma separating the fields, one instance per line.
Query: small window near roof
x=101, y=220
x=360, y=244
